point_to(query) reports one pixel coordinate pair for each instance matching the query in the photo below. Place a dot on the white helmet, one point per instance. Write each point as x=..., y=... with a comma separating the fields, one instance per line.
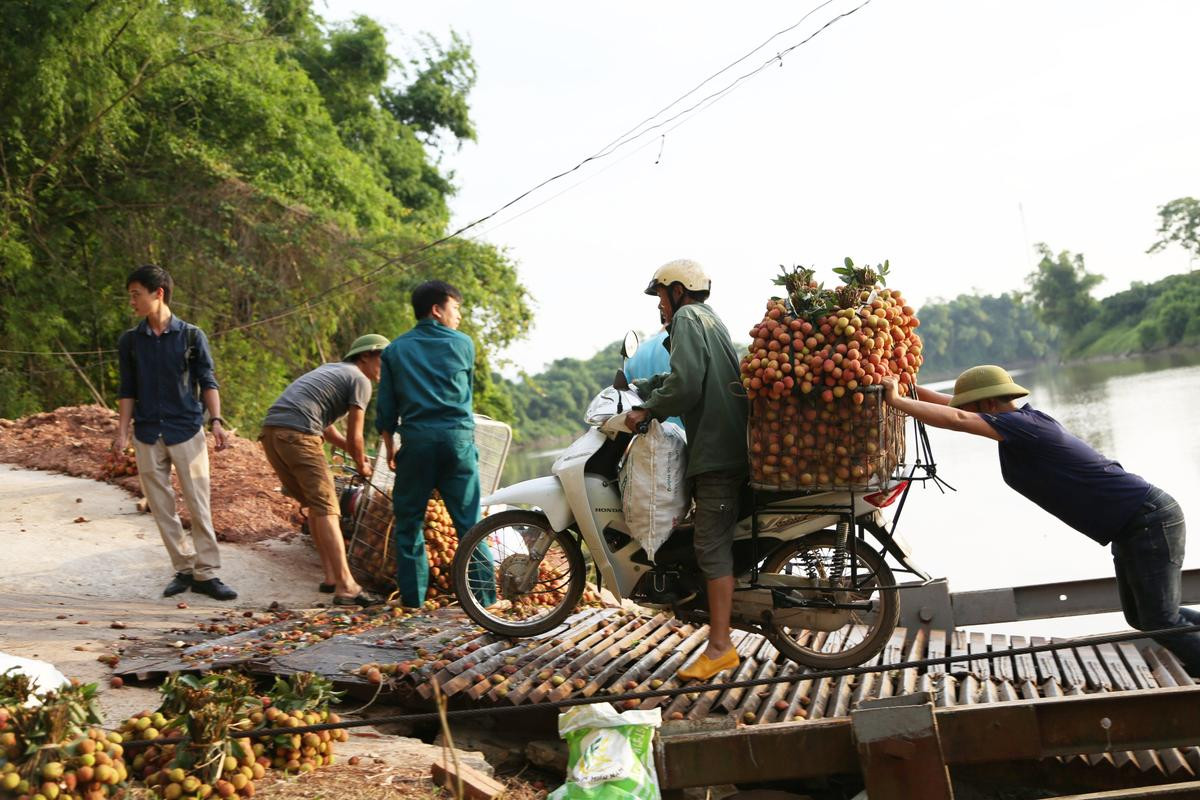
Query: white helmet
x=683, y=271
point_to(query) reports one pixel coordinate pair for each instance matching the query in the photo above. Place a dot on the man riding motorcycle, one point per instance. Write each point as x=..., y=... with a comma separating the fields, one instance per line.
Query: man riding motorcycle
x=703, y=389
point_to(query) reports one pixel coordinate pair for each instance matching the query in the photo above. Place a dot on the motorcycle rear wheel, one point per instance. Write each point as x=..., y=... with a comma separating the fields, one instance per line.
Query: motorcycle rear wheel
x=507, y=536
x=866, y=633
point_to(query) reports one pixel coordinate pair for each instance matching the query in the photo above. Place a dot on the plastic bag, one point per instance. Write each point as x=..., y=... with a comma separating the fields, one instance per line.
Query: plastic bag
x=610, y=402
x=654, y=491
x=609, y=754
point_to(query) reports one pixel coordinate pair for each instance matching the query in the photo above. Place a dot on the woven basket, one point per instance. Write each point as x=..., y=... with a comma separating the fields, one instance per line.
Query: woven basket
x=369, y=548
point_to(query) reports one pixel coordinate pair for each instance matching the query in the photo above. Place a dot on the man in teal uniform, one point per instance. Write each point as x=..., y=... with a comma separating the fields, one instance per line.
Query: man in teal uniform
x=425, y=392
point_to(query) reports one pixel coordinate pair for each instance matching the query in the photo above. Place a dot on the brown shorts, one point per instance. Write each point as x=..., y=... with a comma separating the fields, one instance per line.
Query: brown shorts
x=299, y=461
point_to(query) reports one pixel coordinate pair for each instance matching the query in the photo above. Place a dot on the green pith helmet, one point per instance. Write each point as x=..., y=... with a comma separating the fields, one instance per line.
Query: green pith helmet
x=983, y=383
x=363, y=344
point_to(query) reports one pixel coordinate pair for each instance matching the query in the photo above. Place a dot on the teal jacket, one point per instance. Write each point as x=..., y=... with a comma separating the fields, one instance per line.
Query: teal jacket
x=426, y=382
x=704, y=388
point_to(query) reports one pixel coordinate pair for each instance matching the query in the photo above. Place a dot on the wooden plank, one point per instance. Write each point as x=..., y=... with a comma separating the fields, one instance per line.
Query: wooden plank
x=824, y=688
x=1002, y=662
x=534, y=675
x=754, y=697
x=573, y=671
x=799, y=698
x=1026, y=669
x=666, y=671
x=761, y=654
x=968, y=680
x=1172, y=761
x=640, y=670
x=779, y=694
x=981, y=668
x=631, y=651
x=959, y=646
x=1116, y=667
x=1093, y=669
x=946, y=686
x=893, y=653
x=1047, y=666
x=1075, y=683
x=844, y=688
x=937, y=649
x=746, y=644
x=475, y=785
x=916, y=651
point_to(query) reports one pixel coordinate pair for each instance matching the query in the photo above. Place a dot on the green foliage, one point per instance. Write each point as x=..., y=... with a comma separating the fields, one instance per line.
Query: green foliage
x=1179, y=223
x=552, y=404
x=973, y=329
x=1061, y=290
x=1143, y=317
x=262, y=157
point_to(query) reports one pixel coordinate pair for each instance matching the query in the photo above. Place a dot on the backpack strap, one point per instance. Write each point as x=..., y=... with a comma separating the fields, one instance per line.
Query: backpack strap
x=189, y=357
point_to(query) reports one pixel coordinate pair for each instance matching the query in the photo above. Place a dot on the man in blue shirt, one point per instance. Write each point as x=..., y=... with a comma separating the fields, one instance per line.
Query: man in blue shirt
x=1093, y=494
x=425, y=394
x=166, y=371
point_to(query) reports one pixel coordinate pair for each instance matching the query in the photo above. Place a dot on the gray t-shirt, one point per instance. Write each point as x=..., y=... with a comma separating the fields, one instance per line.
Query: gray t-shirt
x=317, y=399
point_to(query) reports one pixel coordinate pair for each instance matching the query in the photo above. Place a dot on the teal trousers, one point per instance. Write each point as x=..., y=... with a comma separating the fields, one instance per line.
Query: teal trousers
x=446, y=461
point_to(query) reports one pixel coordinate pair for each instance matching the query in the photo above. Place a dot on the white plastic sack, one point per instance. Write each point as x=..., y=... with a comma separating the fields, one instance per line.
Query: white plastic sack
x=609, y=754
x=46, y=677
x=654, y=490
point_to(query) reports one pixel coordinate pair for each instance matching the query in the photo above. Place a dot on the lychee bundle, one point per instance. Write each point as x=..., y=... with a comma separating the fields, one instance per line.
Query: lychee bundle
x=118, y=465
x=51, y=750
x=812, y=375
x=441, y=543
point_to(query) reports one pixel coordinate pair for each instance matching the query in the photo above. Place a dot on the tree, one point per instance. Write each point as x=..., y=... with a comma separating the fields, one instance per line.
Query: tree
x=1061, y=290
x=1179, y=223
x=252, y=150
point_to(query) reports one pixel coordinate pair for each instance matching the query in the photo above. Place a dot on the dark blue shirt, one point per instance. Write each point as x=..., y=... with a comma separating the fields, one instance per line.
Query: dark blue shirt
x=1064, y=475
x=427, y=381
x=157, y=373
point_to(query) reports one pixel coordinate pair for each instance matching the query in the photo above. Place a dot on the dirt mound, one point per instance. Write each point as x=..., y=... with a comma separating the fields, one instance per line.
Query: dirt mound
x=246, y=503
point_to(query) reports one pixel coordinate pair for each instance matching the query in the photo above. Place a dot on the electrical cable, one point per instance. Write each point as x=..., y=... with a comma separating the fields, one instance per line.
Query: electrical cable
x=622, y=141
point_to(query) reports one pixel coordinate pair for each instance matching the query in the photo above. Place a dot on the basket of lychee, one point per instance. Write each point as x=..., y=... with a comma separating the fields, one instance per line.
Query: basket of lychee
x=812, y=375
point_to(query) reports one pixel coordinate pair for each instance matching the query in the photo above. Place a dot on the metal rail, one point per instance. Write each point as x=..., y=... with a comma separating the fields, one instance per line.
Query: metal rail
x=973, y=734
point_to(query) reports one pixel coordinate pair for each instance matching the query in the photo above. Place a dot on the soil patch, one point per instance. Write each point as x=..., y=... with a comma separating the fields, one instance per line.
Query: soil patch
x=247, y=505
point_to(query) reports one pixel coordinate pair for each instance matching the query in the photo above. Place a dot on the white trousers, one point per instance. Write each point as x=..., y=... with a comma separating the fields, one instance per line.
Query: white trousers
x=194, y=551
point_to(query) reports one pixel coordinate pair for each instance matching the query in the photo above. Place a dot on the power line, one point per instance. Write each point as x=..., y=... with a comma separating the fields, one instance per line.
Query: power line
x=603, y=153
x=625, y=139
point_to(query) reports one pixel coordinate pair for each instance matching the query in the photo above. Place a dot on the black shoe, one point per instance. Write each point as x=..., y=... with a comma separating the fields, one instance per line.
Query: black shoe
x=180, y=583
x=214, y=589
x=363, y=599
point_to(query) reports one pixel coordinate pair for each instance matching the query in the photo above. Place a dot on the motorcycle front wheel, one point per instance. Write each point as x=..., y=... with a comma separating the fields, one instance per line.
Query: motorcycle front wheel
x=865, y=632
x=492, y=571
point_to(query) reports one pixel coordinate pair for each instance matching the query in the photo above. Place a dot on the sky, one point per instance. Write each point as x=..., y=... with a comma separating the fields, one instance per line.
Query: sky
x=948, y=137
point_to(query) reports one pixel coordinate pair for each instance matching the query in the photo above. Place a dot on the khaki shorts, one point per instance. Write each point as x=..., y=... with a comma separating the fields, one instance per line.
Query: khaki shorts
x=299, y=461
x=716, y=495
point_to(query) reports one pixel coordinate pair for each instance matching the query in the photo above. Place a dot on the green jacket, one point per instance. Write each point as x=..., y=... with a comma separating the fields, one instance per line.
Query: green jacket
x=704, y=388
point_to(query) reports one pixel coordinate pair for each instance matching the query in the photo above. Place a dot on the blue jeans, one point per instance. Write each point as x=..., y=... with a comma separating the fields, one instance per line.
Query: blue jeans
x=1148, y=557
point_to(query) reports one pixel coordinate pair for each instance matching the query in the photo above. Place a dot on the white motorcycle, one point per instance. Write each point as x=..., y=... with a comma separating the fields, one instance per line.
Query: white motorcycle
x=804, y=563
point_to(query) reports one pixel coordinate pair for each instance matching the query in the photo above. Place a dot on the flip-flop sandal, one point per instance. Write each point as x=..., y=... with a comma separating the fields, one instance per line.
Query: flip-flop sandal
x=326, y=588
x=361, y=599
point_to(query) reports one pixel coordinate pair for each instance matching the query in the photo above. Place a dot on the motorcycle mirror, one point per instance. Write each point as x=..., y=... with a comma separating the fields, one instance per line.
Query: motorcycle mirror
x=630, y=345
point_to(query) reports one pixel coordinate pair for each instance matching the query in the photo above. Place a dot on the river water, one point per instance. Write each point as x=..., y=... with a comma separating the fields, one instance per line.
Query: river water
x=982, y=536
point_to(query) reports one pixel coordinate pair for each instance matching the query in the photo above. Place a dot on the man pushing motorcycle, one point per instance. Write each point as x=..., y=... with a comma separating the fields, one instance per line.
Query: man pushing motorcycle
x=702, y=388
x=1093, y=494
